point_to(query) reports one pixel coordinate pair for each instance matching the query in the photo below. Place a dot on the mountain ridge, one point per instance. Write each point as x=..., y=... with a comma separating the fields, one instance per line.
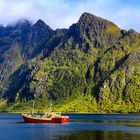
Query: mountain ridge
x=89, y=67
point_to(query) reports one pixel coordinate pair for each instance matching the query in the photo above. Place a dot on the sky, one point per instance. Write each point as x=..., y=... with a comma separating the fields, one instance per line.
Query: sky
x=63, y=13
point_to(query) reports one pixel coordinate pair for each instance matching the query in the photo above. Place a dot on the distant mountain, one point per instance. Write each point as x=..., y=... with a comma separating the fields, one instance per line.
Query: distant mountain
x=94, y=66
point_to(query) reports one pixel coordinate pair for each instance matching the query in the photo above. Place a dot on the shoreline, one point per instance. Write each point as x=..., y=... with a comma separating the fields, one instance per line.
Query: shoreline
x=80, y=113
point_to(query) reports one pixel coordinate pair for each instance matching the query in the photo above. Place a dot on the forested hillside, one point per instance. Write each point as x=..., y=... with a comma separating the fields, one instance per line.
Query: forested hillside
x=94, y=66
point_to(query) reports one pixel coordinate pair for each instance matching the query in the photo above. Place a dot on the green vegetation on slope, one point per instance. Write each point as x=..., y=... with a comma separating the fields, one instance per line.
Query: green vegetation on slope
x=92, y=67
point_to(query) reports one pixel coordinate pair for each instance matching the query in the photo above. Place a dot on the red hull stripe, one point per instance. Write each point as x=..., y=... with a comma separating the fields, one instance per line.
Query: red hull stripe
x=40, y=120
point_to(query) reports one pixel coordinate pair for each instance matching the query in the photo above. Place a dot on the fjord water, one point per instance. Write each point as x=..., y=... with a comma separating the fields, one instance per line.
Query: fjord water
x=80, y=127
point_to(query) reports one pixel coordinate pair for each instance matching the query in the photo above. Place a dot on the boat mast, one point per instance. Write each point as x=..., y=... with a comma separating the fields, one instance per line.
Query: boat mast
x=33, y=111
x=50, y=108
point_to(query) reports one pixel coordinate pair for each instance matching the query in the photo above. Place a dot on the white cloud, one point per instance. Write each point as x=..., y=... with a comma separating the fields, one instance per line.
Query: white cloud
x=62, y=13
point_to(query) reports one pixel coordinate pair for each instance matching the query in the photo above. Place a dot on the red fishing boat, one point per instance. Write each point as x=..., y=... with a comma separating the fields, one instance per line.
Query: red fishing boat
x=48, y=117
x=45, y=118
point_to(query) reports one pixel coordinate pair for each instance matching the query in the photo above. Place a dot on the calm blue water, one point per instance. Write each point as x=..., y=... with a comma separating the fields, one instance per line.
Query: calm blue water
x=80, y=127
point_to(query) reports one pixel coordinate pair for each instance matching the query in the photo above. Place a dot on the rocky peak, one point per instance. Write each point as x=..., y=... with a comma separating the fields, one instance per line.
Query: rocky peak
x=21, y=27
x=42, y=25
x=40, y=22
x=39, y=31
x=23, y=23
x=88, y=20
x=97, y=31
x=86, y=17
x=16, y=29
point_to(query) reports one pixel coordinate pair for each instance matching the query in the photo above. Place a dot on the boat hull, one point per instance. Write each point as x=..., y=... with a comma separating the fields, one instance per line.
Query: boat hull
x=62, y=119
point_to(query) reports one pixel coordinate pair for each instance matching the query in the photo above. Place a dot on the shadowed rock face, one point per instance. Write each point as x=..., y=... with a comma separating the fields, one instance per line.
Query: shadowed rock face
x=94, y=56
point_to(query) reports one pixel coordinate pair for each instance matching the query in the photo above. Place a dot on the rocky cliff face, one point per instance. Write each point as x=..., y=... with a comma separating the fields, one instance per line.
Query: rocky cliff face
x=94, y=57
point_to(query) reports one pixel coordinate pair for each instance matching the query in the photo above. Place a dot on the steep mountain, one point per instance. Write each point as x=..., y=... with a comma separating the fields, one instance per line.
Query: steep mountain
x=94, y=66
